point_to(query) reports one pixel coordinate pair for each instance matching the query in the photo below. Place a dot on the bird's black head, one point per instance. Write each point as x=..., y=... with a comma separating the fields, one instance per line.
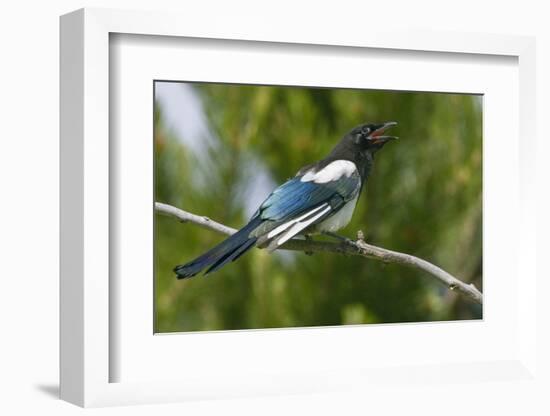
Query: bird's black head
x=370, y=137
x=360, y=145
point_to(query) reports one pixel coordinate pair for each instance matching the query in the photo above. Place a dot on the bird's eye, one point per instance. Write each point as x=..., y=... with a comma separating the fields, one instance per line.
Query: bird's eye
x=365, y=130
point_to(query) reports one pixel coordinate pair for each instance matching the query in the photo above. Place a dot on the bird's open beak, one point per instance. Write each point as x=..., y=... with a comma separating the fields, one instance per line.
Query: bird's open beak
x=377, y=135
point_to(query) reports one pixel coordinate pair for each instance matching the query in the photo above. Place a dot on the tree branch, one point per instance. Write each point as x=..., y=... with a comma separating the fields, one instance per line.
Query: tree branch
x=350, y=247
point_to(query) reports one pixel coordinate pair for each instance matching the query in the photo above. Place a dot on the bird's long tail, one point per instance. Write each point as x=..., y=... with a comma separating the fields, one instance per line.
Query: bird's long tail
x=228, y=250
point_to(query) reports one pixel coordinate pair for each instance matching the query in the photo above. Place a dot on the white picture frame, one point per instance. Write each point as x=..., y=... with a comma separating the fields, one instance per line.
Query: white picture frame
x=86, y=292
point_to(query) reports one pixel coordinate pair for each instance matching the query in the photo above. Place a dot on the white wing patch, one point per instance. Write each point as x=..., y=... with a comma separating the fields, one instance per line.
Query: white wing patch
x=286, y=225
x=291, y=228
x=299, y=226
x=332, y=172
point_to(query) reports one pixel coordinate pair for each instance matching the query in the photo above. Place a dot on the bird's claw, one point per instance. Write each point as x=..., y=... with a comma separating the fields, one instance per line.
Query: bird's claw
x=343, y=239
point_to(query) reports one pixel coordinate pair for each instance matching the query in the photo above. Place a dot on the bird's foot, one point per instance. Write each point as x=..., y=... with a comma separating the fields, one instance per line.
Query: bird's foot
x=339, y=237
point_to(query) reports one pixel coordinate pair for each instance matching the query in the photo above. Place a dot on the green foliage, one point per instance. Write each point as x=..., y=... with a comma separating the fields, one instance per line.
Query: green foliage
x=424, y=198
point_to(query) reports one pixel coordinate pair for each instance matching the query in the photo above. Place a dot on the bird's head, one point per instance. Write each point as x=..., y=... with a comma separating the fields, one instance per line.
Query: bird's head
x=370, y=137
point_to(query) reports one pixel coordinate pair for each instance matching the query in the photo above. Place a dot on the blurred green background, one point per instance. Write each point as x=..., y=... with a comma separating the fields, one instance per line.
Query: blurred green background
x=221, y=149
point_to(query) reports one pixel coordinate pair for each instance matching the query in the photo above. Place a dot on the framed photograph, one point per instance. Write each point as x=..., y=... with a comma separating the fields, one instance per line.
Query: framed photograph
x=184, y=148
x=203, y=167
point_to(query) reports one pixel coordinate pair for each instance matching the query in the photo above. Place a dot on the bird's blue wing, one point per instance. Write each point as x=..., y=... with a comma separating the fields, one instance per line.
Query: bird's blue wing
x=295, y=197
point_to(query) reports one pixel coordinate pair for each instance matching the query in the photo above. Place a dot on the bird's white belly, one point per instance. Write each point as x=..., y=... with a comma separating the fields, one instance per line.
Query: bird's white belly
x=340, y=219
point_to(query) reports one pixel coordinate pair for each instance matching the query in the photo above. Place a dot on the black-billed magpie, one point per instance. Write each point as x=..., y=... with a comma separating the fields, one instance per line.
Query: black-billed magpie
x=320, y=198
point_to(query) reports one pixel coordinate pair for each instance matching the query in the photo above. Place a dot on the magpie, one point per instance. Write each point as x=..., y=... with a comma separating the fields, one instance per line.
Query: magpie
x=321, y=198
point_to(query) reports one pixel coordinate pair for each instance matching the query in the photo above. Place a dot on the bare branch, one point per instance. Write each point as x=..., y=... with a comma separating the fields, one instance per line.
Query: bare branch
x=184, y=216
x=350, y=247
